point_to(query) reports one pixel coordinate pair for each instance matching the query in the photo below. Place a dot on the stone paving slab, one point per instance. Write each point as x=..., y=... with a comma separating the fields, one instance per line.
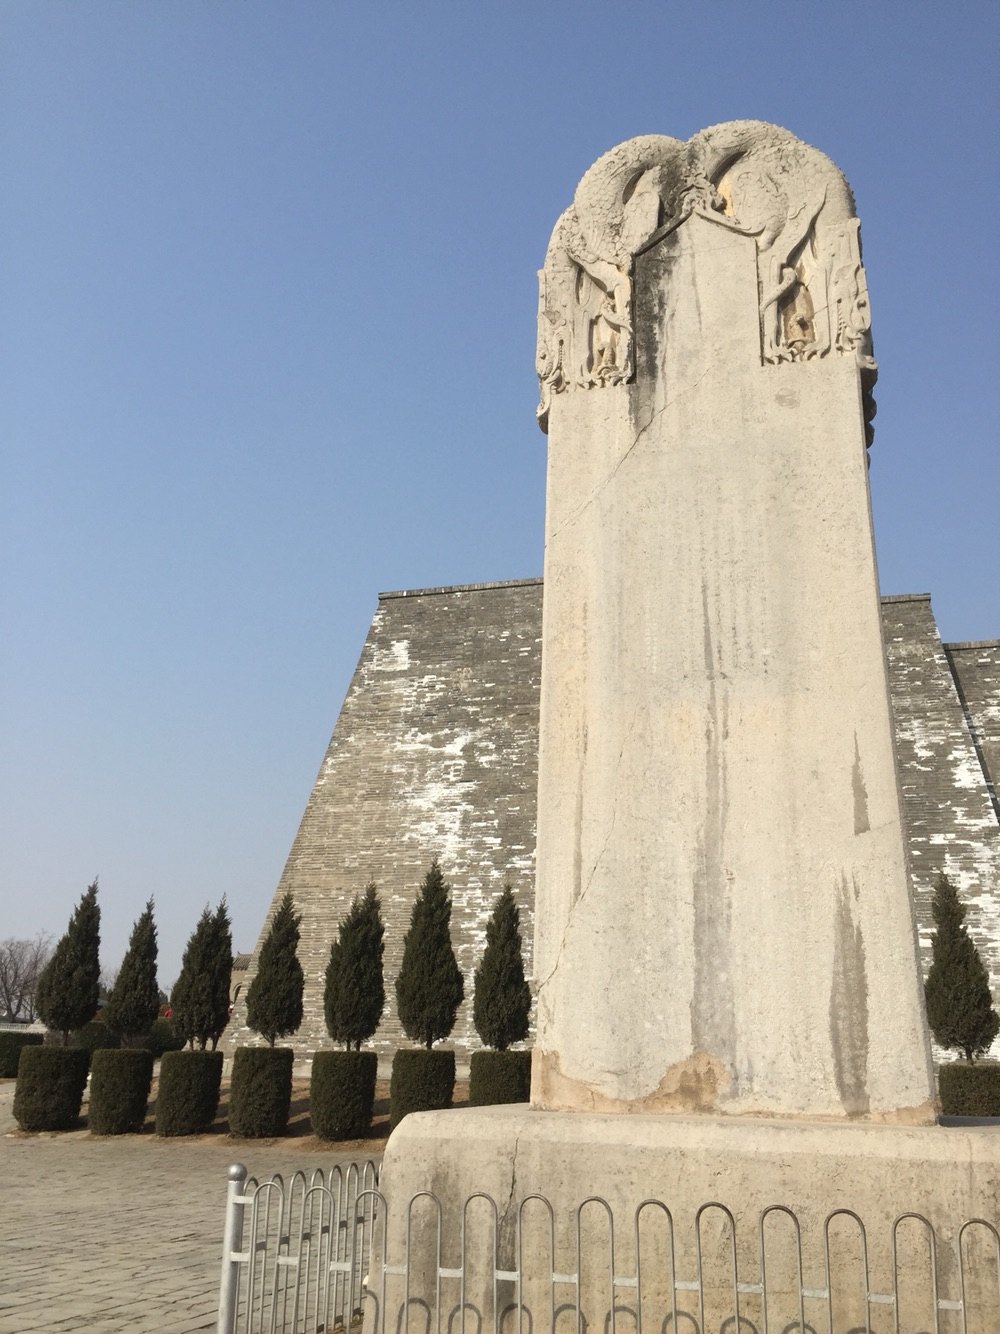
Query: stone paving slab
x=123, y=1233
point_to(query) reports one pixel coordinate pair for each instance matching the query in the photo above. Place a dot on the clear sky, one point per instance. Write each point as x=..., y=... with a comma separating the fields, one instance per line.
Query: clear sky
x=268, y=307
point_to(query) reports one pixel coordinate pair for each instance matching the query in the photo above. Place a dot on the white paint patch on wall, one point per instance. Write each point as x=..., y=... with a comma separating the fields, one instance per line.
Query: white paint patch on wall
x=394, y=658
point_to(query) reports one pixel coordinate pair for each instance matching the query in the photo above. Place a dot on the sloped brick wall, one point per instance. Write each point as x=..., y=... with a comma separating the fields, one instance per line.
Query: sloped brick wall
x=434, y=754
x=950, y=818
x=976, y=669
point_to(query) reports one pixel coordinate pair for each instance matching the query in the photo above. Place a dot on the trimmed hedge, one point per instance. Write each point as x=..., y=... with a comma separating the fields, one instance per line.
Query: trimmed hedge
x=50, y=1084
x=95, y=1036
x=499, y=1076
x=11, y=1046
x=161, y=1038
x=119, y=1090
x=260, y=1092
x=422, y=1081
x=188, y=1096
x=969, y=1090
x=342, y=1093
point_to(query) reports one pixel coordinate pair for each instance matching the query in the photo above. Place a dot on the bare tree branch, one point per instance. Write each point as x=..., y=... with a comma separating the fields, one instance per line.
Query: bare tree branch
x=21, y=962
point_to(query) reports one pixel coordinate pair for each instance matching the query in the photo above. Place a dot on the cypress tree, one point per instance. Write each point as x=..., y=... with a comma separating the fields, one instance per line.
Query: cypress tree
x=135, y=998
x=429, y=987
x=502, y=998
x=200, y=998
x=67, y=993
x=221, y=966
x=274, y=999
x=191, y=998
x=354, y=997
x=959, y=1006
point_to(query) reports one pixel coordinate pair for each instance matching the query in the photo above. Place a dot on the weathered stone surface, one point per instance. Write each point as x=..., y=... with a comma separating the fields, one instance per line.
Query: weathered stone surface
x=723, y=918
x=947, y=1176
x=755, y=179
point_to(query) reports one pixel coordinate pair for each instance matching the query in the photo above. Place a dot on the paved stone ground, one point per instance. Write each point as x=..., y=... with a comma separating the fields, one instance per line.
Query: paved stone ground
x=117, y=1234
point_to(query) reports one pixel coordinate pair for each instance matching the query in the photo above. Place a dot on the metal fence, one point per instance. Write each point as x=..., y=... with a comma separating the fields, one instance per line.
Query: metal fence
x=294, y=1252
x=304, y=1257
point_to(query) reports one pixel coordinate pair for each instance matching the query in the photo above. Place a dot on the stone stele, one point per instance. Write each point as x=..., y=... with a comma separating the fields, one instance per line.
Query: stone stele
x=724, y=942
x=723, y=920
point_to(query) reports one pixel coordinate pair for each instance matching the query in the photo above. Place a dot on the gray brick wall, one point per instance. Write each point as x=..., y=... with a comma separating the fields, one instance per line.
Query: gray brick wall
x=435, y=754
x=950, y=818
x=976, y=669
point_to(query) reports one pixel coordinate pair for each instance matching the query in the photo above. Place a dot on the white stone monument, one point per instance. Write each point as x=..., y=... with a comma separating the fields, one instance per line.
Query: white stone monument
x=729, y=1001
x=723, y=914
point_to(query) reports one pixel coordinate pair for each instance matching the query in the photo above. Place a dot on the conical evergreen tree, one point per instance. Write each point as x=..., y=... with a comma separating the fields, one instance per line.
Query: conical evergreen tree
x=66, y=997
x=354, y=997
x=429, y=987
x=135, y=998
x=200, y=998
x=191, y=999
x=959, y=1006
x=274, y=1000
x=221, y=966
x=502, y=998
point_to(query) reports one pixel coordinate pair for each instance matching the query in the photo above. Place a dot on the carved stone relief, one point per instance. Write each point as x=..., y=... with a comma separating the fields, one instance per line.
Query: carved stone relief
x=746, y=175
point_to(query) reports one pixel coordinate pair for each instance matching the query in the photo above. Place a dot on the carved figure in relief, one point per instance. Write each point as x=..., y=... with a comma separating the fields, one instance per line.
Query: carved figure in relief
x=798, y=319
x=603, y=332
x=755, y=178
x=585, y=288
x=849, y=289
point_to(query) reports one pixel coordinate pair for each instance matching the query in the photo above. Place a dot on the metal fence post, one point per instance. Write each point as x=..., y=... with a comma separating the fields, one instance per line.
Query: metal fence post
x=229, y=1282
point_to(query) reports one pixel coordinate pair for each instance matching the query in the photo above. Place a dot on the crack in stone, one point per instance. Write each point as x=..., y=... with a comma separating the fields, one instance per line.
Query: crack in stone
x=621, y=462
x=614, y=810
x=513, y=1187
x=597, y=860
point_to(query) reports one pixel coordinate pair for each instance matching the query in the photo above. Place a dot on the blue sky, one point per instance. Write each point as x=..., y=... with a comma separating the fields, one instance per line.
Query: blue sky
x=268, y=302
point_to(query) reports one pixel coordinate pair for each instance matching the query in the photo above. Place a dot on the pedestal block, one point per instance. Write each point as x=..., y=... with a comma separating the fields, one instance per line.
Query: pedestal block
x=841, y=1189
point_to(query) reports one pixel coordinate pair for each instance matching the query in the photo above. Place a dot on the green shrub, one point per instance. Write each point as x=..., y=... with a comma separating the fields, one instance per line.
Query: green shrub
x=499, y=1076
x=260, y=1093
x=95, y=1036
x=50, y=1084
x=429, y=988
x=354, y=994
x=119, y=1090
x=422, y=1081
x=188, y=1096
x=200, y=998
x=969, y=1090
x=161, y=1038
x=11, y=1046
x=502, y=998
x=342, y=1093
x=135, y=997
x=67, y=993
x=274, y=997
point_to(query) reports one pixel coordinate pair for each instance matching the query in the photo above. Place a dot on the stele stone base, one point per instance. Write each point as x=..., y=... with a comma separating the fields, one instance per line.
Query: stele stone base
x=813, y=1168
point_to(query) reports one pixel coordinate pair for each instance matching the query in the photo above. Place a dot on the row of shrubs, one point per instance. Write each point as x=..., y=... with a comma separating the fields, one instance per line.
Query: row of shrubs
x=93, y=1037
x=51, y=1083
